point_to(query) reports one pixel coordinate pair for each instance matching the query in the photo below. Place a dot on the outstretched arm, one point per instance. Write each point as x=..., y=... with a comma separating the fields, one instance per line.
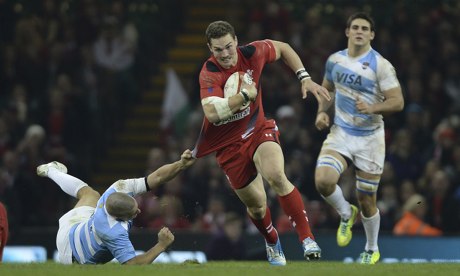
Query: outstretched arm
x=169, y=171
x=165, y=239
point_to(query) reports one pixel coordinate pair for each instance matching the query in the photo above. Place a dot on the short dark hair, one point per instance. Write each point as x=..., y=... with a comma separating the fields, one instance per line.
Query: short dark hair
x=218, y=29
x=361, y=15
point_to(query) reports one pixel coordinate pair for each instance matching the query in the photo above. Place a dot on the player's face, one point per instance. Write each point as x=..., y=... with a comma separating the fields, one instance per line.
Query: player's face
x=224, y=50
x=359, y=33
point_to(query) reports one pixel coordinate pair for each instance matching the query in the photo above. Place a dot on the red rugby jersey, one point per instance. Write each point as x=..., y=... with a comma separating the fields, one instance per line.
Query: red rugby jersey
x=251, y=59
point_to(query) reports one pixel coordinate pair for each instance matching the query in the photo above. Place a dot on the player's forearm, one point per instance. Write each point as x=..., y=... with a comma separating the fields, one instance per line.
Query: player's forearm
x=164, y=174
x=388, y=106
x=394, y=102
x=324, y=105
x=147, y=257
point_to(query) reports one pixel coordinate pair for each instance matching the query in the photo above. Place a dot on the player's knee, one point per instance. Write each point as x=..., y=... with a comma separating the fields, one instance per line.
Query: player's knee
x=88, y=193
x=257, y=212
x=276, y=178
x=367, y=195
x=321, y=179
x=328, y=171
x=324, y=182
x=95, y=194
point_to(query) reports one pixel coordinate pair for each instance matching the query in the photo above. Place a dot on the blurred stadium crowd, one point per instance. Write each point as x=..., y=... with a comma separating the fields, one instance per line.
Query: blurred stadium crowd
x=64, y=91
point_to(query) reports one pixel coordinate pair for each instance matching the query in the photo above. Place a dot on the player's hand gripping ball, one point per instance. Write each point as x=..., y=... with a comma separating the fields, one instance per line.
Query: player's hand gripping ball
x=238, y=81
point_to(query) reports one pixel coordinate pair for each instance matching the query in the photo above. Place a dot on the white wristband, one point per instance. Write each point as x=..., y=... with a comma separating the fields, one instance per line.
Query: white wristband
x=302, y=74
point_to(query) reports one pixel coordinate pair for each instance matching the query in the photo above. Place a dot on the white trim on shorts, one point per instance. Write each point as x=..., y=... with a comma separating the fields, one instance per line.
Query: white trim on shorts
x=69, y=219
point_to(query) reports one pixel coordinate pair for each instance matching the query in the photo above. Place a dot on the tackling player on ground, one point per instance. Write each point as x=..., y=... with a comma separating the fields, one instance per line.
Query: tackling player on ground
x=246, y=143
x=96, y=230
x=365, y=87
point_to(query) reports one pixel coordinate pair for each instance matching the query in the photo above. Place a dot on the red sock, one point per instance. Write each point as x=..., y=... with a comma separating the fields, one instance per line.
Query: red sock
x=266, y=228
x=293, y=207
x=3, y=229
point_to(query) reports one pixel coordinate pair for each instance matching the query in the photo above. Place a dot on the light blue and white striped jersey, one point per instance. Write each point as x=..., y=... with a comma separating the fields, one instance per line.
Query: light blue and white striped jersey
x=102, y=237
x=366, y=77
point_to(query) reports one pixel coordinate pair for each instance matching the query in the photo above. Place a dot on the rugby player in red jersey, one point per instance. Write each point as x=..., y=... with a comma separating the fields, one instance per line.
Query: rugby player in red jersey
x=246, y=143
x=3, y=229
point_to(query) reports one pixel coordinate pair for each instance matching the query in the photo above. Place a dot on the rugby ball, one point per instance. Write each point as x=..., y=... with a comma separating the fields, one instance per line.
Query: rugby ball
x=233, y=85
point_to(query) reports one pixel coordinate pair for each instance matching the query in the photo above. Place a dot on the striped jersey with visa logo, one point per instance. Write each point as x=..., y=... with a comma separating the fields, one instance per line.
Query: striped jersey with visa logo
x=366, y=77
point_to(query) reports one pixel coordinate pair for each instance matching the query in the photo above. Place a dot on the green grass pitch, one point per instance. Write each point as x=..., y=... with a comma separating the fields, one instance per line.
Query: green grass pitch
x=241, y=268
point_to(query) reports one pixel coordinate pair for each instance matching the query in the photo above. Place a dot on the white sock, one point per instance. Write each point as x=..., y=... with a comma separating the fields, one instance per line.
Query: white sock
x=371, y=227
x=69, y=184
x=340, y=204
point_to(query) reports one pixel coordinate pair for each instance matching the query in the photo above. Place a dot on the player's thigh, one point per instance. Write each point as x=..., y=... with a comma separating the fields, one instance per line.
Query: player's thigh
x=330, y=166
x=369, y=153
x=66, y=222
x=253, y=195
x=366, y=182
x=269, y=161
x=87, y=197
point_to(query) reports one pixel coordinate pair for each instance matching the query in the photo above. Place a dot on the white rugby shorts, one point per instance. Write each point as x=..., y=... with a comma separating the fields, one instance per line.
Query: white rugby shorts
x=72, y=217
x=366, y=152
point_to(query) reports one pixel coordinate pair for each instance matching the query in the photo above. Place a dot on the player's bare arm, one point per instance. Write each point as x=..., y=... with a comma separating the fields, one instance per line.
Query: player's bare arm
x=169, y=171
x=394, y=102
x=292, y=59
x=165, y=239
x=322, y=117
